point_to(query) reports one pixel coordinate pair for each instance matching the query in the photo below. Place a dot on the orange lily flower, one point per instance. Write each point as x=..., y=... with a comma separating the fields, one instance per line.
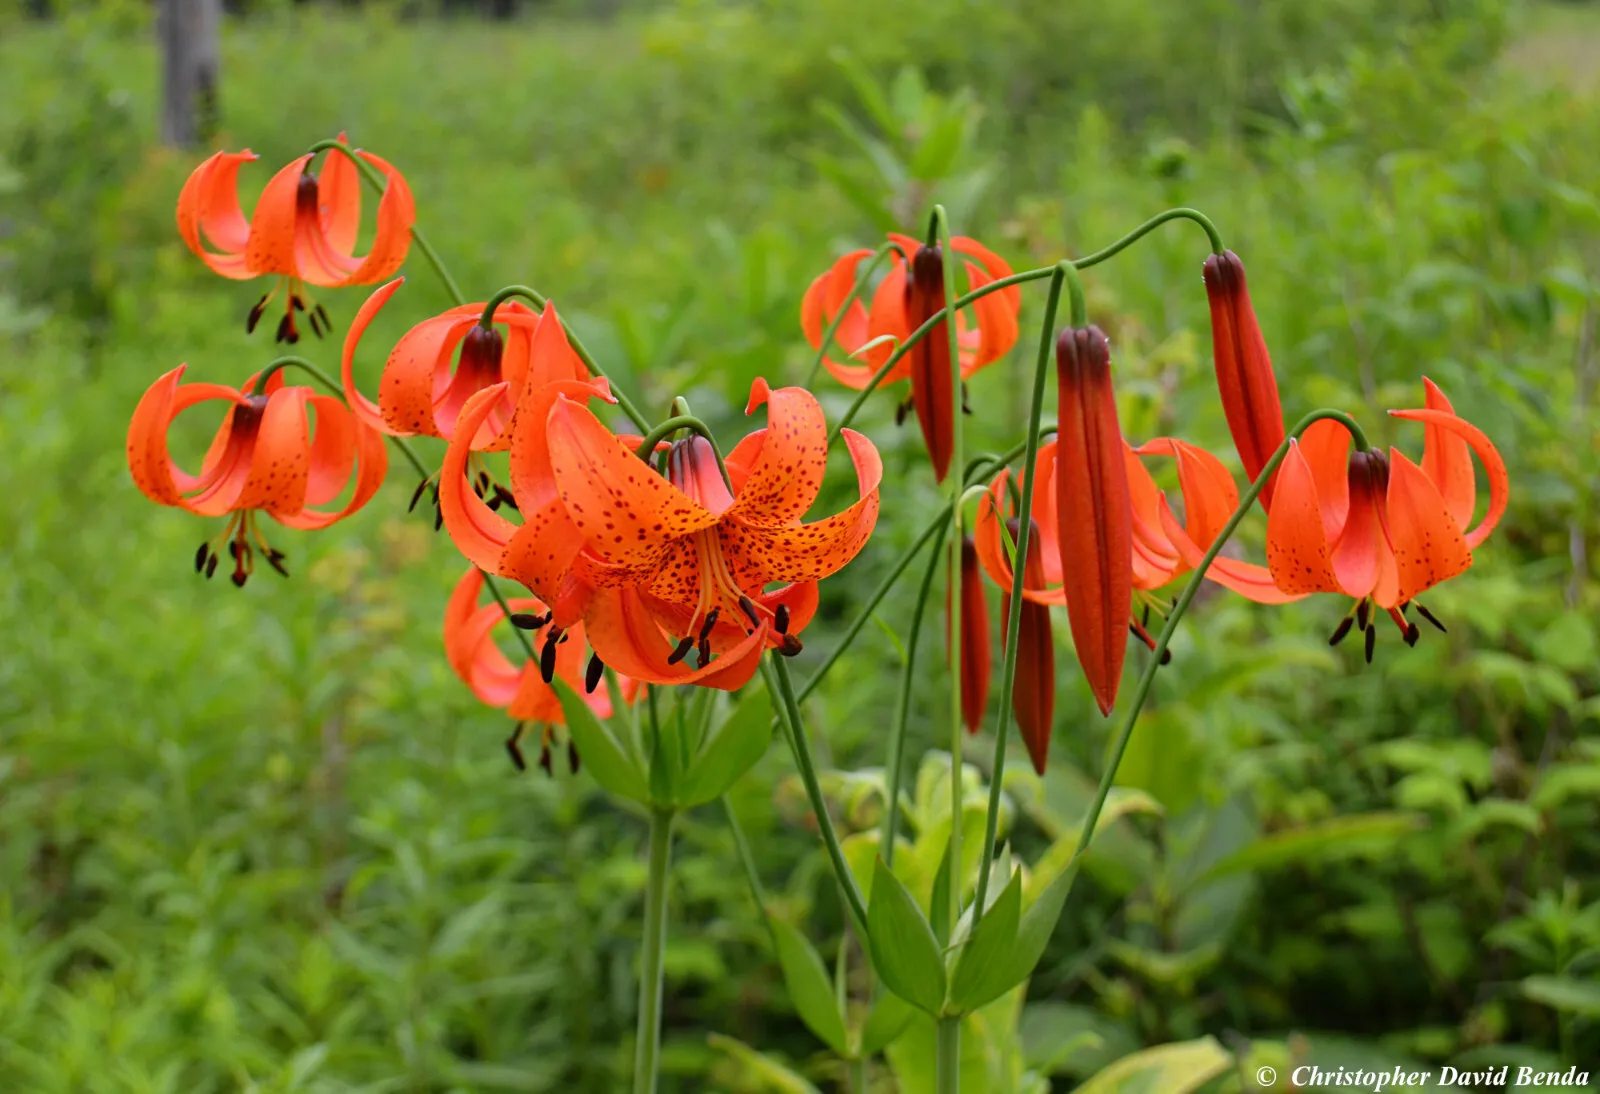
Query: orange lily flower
x=303, y=229
x=908, y=296
x=1094, y=516
x=419, y=394
x=263, y=459
x=638, y=556
x=522, y=692
x=1245, y=379
x=1380, y=529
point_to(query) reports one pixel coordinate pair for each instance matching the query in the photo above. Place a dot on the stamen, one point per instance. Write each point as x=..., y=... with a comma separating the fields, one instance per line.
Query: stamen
x=591, y=675
x=1341, y=630
x=1372, y=641
x=544, y=759
x=211, y=567
x=322, y=313
x=547, y=656
x=275, y=559
x=710, y=621
x=705, y=650
x=316, y=325
x=790, y=646
x=527, y=621
x=748, y=607
x=416, y=495
x=572, y=756
x=502, y=496
x=682, y=651
x=255, y=313
x=966, y=405
x=1363, y=613
x=901, y=411
x=201, y=556
x=780, y=619
x=1429, y=616
x=515, y=749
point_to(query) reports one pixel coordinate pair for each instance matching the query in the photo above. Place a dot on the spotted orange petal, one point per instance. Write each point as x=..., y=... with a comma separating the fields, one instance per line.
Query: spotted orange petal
x=208, y=210
x=1298, y=556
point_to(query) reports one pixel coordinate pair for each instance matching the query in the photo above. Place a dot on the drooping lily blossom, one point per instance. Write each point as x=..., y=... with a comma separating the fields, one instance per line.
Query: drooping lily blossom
x=977, y=660
x=522, y=692
x=1244, y=368
x=910, y=294
x=1380, y=529
x=420, y=394
x=1094, y=520
x=303, y=229
x=264, y=459
x=659, y=567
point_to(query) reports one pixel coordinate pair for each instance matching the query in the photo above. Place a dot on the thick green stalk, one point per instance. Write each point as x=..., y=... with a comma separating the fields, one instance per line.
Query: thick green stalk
x=1148, y=676
x=1008, y=677
x=775, y=670
x=647, y=1049
x=949, y=1056
x=380, y=184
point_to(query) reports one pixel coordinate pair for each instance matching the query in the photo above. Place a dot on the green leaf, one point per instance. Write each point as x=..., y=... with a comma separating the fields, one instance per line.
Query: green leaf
x=1564, y=993
x=939, y=903
x=1179, y=1068
x=603, y=757
x=810, y=989
x=1340, y=837
x=734, y=748
x=904, y=950
x=886, y=1021
x=982, y=973
x=1036, y=926
x=760, y=1068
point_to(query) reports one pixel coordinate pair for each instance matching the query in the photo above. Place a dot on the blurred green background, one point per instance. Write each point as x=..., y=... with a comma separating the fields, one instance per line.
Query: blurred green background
x=263, y=840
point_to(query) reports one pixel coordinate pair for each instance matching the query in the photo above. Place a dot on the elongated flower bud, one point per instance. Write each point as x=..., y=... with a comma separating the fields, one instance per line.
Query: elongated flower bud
x=1094, y=509
x=1244, y=368
x=976, y=655
x=932, y=385
x=1033, y=694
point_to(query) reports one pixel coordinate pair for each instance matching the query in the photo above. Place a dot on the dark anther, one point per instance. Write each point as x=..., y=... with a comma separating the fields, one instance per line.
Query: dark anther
x=255, y=314
x=1145, y=621
x=544, y=759
x=483, y=482
x=591, y=675
x=494, y=504
x=316, y=325
x=1166, y=657
x=705, y=650
x=1372, y=641
x=502, y=496
x=527, y=621
x=416, y=495
x=572, y=757
x=901, y=411
x=1341, y=630
x=322, y=314
x=515, y=749
x=201, y=556
x=790, y=646
x=296, y=303
x=547, y=656
x=285, y=325
x=477, y=487
x=682, y=651
x=966, y=405
x=239, y=578
x=710, y=621
x=211, y=567
x=1362, y=614
x=1429, y=616
x=780, y=619
x=1412, y=634
x=275, y=560
x=438, y=518
x=748, y=607
x=233, y=549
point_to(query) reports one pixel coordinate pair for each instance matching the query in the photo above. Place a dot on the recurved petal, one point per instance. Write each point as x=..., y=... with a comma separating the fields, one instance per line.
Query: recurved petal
x=339, y=201
x=365, y=410
x=208, y=210
x=271, y=247
x=1447, y=460
x=626, y=512
x=1297, y=546
x=1245, y=578
x=808, y=552
x=888, y=317
x=372, y=456
x=1326, y=448
x=333, y=449
x=280, y=466
x=996, y=316
x=149, y=462
x=994, y=267
x=532, y=477
x=1155, y=560
x=1493, y=465
x=821, y=304
x=1428, y=545
x=782, y=475
x=397, y=212
x=478, y=532
x=551, y=356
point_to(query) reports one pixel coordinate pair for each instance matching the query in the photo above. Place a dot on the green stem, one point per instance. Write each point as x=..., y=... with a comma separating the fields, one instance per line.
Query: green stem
x=949, y=1056
x=941, y=222
x=540, y=302
x=858, y=1075
x=648, y=1044
x=1149, y=226
x=844, y=308
x=776, y=672
x=902, y=708
x=1148, y=676
x=500, y=598
x=682, y=421
x=1013, y=624
x=380, y=184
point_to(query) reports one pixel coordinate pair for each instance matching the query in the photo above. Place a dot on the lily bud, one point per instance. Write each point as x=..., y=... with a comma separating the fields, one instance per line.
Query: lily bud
x=1244, y=369
x=932, y=384
x=976, y=655
x=1033, y=694
x=1094, y=509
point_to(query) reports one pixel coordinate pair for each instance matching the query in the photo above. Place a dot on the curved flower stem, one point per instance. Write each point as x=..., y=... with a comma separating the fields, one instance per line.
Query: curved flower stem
x=647, y=446
x=1017, y=279
x=1008, y=679
x=941, y=222
x=775, y=670
x=902, y=707
x=844, y=308
x=647, y=1047
x=540, y=302
x=500, y=598
x=1148, y=676
x=380, y=184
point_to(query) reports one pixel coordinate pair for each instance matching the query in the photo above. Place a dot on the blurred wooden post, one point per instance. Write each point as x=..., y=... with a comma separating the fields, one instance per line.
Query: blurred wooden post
x=189, y=31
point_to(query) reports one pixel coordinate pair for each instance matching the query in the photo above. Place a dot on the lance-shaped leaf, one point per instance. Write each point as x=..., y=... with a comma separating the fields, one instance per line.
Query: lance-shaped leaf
x=983, y=972
x=810, y=989
x=731, y=750
x=603, y=756
x=904, y=950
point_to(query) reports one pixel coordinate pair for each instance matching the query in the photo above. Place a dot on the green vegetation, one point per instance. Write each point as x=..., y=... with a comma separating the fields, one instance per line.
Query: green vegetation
x=263, y=840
